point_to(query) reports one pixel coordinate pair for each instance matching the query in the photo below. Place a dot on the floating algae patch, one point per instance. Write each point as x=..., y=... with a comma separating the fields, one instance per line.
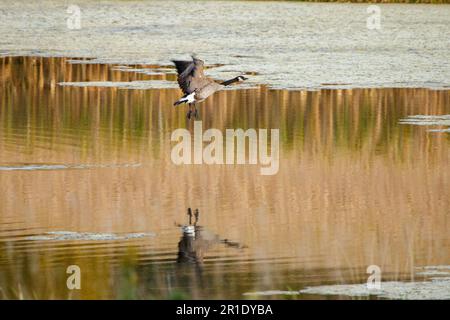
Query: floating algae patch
x=439, y=267
x=272, y=293
x=433, y=273
x=439, y=130
x=146, y=71
x=436, y=287
x=326, y=42
x=145, y=84
x=33, y=167
x=87, y=236
x=441, y=270
x=429, y=120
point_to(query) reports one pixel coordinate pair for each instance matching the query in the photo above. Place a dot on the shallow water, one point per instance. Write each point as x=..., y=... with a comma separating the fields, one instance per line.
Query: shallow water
x=288, y=44
x=435, y=286
x=87, y=166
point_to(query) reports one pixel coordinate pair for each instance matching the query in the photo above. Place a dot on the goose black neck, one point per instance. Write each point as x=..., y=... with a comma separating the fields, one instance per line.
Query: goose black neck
x=228, y=82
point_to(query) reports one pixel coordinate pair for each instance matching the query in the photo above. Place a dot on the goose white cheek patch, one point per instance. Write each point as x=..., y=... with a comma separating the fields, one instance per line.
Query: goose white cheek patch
x=214, y=147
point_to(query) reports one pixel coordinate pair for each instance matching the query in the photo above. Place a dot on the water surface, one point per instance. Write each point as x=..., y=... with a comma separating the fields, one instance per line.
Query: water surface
x=87, y=179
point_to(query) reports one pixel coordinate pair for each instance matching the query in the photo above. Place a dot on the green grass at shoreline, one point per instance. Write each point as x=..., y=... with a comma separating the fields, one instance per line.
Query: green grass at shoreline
x=380, y=1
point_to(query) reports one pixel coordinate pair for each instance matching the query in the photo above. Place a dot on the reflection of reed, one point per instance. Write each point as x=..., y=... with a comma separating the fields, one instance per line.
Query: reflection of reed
x=324, y=121
x=354, y=187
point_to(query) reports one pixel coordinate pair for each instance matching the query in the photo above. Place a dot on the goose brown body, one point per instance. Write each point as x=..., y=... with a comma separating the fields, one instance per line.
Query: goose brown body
x=195, y=85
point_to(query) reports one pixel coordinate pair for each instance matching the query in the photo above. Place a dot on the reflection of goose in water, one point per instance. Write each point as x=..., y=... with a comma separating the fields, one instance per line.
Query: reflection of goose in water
x=196, y=241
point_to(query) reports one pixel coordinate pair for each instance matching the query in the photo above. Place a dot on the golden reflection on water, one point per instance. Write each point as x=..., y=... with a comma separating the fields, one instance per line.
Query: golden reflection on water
x=354, y=187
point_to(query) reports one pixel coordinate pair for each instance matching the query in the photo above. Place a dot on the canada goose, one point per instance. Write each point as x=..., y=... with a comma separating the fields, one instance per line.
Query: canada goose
x=196, y=87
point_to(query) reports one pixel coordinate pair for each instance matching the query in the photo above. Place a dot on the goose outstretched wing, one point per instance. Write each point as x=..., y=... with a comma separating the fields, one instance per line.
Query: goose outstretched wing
x=190, y=74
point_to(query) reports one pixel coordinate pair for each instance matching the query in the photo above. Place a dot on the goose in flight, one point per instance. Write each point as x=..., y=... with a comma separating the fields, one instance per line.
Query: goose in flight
x=195, y=86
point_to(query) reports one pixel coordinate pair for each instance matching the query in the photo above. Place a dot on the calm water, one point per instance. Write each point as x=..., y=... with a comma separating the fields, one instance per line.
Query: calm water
x=355, y=188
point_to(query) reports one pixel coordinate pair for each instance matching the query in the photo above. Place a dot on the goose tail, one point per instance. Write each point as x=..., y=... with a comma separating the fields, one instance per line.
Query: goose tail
x=187, y=98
